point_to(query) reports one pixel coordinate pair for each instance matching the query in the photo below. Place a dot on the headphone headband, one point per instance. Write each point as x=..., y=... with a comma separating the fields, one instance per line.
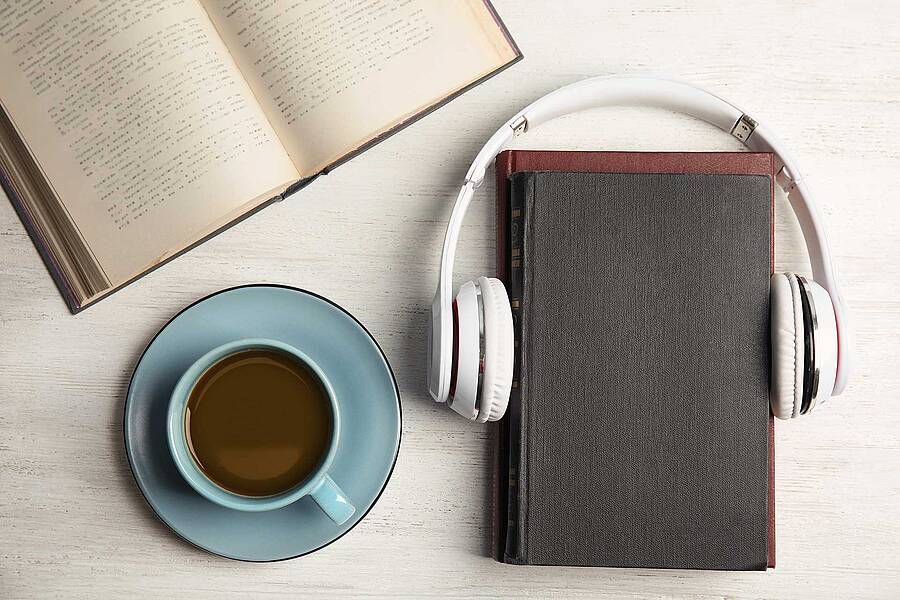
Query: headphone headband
x=625, y=90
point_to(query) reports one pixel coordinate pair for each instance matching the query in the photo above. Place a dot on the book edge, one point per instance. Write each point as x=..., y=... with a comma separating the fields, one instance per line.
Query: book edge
x=50, y=262
x=515, y=549
x=489, y=6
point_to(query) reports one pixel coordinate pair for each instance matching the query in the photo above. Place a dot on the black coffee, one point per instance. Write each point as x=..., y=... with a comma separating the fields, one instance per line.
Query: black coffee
x=258, y=422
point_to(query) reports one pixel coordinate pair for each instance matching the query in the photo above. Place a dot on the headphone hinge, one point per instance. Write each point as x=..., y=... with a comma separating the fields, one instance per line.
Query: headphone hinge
x=519, y=125
x=744, y=128
x=786, y=179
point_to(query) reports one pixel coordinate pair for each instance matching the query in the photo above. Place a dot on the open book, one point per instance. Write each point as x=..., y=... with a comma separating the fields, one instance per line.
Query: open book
x=131, y=131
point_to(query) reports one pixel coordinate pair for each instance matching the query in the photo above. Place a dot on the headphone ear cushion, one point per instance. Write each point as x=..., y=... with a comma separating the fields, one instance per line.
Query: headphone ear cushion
x=825, y=341
x=498, y=350
x=786, y=322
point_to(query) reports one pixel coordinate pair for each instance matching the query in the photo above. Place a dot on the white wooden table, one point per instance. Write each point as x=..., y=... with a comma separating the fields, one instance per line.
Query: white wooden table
x=825, y=75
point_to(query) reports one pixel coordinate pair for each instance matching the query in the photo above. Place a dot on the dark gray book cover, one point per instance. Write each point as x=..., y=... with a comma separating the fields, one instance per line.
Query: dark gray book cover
x=639, y=415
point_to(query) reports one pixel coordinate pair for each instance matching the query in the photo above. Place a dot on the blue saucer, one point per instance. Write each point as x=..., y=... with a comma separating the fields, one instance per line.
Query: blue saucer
x=363, y=383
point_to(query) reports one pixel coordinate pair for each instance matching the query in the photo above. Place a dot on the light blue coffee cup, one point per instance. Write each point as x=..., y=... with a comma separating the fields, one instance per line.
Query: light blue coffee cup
x=318, y=485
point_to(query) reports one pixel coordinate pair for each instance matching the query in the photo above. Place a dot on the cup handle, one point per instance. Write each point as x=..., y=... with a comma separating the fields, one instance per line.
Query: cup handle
x=333, y=501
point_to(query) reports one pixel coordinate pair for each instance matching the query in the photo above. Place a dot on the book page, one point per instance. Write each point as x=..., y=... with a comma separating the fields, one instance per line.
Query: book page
x=140, y=121
x=333, y=75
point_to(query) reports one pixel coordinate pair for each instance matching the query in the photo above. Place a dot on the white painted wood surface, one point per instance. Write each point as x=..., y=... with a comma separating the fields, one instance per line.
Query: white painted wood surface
x=826, y=75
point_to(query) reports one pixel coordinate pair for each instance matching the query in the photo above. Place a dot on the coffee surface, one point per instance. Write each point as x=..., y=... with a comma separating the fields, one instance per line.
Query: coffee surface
x=258, y=422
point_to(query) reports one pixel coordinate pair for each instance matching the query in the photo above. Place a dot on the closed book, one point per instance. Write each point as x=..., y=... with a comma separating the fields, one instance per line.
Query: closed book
x=639, y=432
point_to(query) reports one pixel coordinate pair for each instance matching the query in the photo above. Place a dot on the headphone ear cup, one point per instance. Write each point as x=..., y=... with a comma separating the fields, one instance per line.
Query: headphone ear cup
x=498, y=350
x=786, y=322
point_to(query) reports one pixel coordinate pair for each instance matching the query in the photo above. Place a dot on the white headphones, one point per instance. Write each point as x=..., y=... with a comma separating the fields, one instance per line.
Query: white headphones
x=470, y=365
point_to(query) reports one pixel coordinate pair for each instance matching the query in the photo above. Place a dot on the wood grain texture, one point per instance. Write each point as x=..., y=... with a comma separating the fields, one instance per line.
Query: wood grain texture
x=823, y=74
